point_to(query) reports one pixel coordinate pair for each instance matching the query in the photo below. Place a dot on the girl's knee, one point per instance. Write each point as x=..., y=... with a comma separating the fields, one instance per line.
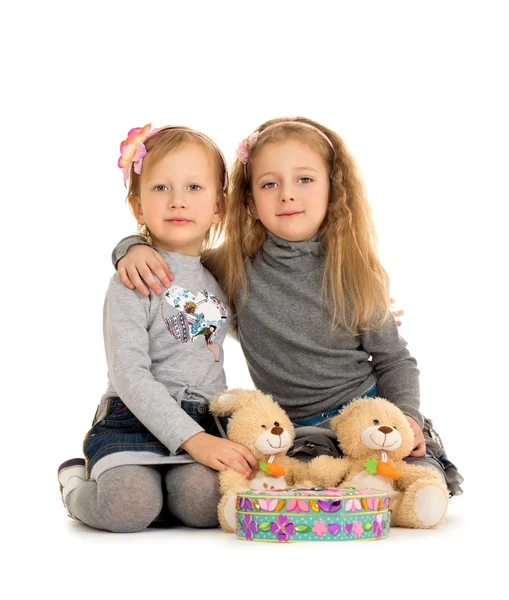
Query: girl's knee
x=130, y=501
x=193, y=495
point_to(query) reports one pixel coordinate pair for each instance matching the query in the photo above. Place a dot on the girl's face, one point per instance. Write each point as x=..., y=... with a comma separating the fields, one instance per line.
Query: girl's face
x=289, y=189
x=179, y=199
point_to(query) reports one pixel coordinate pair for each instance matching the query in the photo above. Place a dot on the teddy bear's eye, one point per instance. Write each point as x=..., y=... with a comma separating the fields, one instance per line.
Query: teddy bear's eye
x=264, y=426
x=376, y=422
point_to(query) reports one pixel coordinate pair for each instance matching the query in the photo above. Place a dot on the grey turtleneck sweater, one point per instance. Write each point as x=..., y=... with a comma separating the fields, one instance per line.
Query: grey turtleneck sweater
x=291, y=350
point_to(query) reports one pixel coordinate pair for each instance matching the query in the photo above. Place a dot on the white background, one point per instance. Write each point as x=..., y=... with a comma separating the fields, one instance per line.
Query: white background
x=418, y=91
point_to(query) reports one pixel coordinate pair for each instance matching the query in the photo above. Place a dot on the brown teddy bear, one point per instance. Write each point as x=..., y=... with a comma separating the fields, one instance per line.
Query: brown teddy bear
x=375, y=436
x=261, y=425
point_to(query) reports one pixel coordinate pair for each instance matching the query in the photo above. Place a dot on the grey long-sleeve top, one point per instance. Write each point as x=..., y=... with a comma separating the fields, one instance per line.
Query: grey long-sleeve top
x=291, y=350
x=161, y=350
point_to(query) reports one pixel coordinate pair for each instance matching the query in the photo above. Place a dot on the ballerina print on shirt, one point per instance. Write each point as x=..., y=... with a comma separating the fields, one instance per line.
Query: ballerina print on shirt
x=187, y=316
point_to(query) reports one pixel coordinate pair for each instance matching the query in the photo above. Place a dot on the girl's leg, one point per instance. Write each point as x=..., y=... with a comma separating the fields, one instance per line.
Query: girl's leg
x=193, y=494
x=123, y=499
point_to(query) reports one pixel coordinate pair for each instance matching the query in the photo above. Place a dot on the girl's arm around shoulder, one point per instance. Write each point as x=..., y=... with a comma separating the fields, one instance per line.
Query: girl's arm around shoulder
x=139, y=264
x=125, y=244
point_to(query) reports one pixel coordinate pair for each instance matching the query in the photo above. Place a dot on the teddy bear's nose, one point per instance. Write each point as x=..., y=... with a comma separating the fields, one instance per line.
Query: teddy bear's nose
x=277, y=430
x=385, y=429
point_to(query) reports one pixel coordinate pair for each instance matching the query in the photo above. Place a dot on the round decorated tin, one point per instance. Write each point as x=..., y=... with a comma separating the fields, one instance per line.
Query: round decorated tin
x=313, y=515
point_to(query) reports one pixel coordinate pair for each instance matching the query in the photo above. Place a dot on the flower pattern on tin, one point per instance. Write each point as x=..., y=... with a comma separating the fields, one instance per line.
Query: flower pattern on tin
x=319, y=528
x=329, y=505
x=378, y=525
x=245, y=504
x=249, y=526
x=283, y=527
x=297, y=505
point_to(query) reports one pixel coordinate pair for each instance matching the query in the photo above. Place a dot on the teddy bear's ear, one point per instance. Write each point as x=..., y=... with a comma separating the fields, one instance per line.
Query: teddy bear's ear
x=334, y=422
x=227, y=402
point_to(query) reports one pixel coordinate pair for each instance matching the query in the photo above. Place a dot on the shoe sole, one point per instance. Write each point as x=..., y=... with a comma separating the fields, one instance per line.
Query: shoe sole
x=75, y=467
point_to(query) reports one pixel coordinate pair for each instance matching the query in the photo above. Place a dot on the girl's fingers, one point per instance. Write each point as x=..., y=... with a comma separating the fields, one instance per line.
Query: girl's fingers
x=149, y=279
x=138, y=283
x=124, y=278
x=241, y=467
x=162, y=271
x=248, y=456
x=217, y=465
x=418, y=451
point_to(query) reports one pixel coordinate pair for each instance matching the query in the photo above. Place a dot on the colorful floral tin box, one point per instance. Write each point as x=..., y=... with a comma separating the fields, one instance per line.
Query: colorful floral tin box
x=315, y=515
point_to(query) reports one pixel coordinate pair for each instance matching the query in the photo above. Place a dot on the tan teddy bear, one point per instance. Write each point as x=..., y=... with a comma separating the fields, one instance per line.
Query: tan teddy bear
x=261, y=425
x=375, y=436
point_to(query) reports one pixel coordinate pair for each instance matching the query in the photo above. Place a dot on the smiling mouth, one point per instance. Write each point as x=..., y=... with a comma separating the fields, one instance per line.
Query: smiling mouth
x=275, y=447
x=382, y=446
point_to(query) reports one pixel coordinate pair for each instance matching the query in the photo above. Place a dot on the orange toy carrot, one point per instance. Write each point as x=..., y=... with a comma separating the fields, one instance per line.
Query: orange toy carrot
x=272, y=469
x=385, y=469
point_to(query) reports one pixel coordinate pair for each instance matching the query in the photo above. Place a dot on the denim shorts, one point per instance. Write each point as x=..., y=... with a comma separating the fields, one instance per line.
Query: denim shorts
x=323, y=418
x=120, y=431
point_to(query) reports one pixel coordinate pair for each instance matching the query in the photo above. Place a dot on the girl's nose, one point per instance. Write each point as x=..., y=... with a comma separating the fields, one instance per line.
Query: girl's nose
x=177, y=202
x=286, y=196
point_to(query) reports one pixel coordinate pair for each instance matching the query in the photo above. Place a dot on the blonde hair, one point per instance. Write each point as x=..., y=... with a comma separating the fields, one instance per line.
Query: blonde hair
x=157, y=148
x=355, y=284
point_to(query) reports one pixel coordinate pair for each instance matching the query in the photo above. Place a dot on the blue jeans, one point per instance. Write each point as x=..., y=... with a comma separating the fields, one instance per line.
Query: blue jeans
x=319, y=420
x=120, y=431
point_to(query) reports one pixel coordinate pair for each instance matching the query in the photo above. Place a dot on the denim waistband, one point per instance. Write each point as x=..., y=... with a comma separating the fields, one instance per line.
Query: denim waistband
x=332, y=413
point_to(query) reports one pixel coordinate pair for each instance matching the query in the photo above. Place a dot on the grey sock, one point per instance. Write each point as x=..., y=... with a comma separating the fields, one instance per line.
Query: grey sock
x=193, y=494
x=123, y=499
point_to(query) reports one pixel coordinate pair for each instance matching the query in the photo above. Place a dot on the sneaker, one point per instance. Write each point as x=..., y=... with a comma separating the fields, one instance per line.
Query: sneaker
x=71, y=474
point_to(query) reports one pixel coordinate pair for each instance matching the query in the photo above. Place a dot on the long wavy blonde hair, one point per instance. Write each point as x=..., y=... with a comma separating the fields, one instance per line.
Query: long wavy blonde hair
x=355, y=284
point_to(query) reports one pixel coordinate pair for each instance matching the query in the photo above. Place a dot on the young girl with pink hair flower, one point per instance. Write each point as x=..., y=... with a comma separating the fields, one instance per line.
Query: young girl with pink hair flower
x=299, y=265
x=153, y=445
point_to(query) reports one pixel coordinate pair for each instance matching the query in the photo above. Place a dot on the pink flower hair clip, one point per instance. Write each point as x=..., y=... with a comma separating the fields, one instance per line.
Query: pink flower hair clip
x=132, y=150
x=243, y=147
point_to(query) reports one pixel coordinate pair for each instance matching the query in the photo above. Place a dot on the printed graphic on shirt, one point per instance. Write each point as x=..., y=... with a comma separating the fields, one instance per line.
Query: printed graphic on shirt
x=187, y=316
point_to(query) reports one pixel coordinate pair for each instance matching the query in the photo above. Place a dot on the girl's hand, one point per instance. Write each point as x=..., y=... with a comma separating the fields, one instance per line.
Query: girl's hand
x=220, y=454
x=139, y=265
x=420, y=442
x=396, y=312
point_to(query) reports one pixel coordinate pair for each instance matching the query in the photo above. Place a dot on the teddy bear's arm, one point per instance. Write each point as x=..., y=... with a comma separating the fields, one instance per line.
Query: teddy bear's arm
x=297, y=472
x=409, y=473
x=327, y=471
x=231, y=482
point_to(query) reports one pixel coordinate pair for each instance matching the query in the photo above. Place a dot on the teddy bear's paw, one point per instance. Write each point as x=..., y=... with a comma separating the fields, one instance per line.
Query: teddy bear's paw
x=430, y=504
x=303, y=484
x=229, y=512
x=323, y=471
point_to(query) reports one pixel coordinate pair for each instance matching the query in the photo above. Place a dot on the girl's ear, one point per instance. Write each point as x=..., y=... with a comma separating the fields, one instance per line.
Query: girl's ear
x=218, y=211
x=137, y=210
x=251, y=206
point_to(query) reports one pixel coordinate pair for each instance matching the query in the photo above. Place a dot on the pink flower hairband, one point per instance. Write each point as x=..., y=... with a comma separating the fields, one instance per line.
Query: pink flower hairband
x=247, y=143
x=132, y=149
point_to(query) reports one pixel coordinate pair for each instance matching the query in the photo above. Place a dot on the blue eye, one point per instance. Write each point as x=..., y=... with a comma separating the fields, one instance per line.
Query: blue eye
x=160, y=188
x=194, y=187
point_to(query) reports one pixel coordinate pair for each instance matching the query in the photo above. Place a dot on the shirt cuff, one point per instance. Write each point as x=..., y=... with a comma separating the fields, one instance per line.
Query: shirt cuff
x=410, y=411
x=185, y=432
x=118, y=254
